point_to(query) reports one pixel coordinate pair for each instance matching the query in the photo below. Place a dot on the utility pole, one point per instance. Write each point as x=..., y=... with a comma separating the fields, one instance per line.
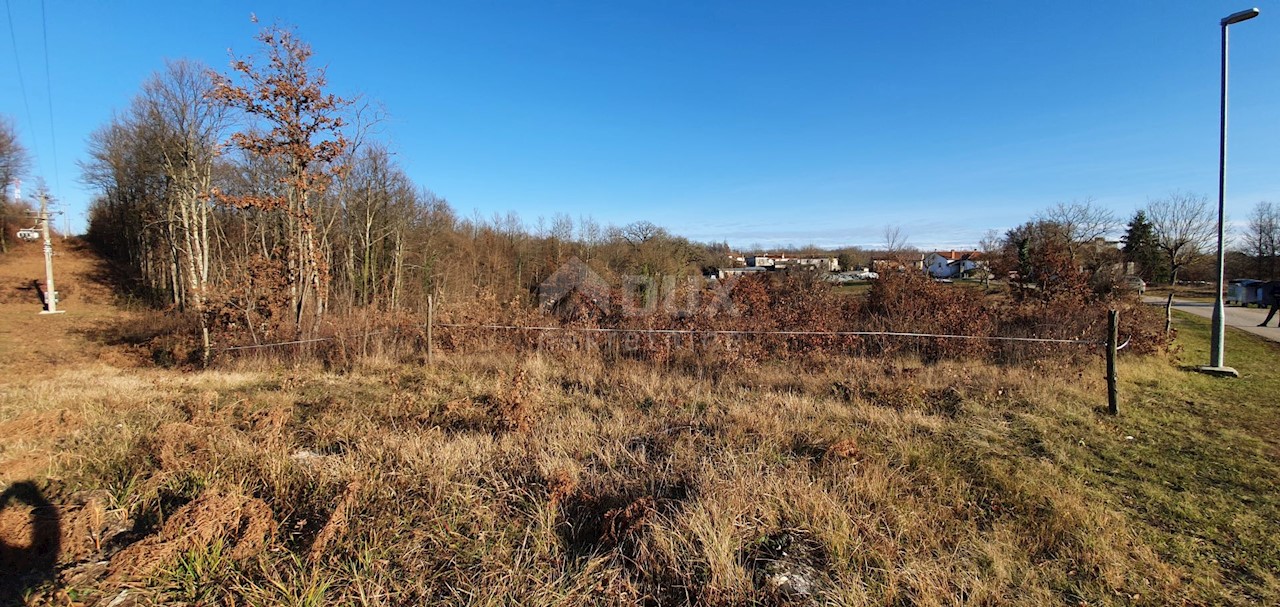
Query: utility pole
x=50, y=294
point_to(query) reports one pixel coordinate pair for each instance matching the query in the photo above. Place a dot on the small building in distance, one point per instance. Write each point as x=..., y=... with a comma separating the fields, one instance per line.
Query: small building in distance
x=901, y=264
x=953, y=264
x=723, y=273
x=822, y=264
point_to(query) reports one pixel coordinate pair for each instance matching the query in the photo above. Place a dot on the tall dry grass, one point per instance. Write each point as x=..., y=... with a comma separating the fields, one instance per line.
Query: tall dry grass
x=500, y=479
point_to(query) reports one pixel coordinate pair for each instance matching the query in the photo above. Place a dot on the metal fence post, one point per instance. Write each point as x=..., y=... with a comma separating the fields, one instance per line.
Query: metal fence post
x=1113, y=336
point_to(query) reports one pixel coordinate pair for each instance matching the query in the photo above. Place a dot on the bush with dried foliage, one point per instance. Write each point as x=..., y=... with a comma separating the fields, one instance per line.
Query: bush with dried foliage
x=797, y=316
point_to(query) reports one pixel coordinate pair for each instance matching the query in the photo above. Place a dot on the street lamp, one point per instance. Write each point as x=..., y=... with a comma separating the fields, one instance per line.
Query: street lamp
x=1216, y=348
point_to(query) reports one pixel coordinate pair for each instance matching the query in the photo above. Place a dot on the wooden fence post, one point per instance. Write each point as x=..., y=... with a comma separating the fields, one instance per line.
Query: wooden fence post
x=1113, y=336
x=431, y=313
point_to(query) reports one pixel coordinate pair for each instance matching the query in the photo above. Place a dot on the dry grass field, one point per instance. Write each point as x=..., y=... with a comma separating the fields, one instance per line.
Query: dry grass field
x=504, y=479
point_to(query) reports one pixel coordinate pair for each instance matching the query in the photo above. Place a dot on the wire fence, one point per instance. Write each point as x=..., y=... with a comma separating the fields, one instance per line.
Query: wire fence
x=1111, y=344
x=307, y=341
x=778, y=333
x=707, y=332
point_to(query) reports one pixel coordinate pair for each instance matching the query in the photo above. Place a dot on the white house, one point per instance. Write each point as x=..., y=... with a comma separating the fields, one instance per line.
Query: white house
x=823, y=264
x=952, y=264
x=723, y=273
x=764, y=261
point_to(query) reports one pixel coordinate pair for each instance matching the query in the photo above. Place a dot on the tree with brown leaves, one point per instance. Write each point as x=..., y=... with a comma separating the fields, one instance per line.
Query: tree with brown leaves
x=303, y=132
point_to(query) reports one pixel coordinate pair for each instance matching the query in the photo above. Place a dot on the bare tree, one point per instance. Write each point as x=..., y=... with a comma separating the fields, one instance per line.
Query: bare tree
x=991, y=246
x=640, y=232
x=895, y=241
x=589, y=237
x=1184, y=227
x=13, y=157
x=13, y=164
x=1082, y=222
x=1262, y=239
x=187, y=127
x=376, y=206
x=129, y=219
x=991, y=243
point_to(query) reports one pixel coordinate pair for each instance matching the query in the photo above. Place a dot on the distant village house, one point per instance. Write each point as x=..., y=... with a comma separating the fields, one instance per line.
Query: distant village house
x=822, y=264
x=723, y=273
x=953, y=264
x=900, y=264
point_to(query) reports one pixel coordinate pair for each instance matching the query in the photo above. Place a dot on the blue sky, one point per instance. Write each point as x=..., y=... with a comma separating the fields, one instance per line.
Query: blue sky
x=752, y=122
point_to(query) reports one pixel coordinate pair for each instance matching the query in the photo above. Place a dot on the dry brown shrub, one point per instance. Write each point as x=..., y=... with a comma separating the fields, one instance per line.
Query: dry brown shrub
x=508, y=408
x=253, y=306
x=203, y=409
x=341, y=342
x=513, y=410
x=243, y=524
x=621, y=523
x=336, y=526
x=176, y=445
x=912, y=302
x=165, y=338
x=561, y=485
x=758, y=306
x=844, y=449
x=272, y=419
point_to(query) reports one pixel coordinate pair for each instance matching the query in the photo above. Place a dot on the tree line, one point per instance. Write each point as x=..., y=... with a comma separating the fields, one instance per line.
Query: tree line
x=14, y=164
x=1171, y=238
x=258, y=201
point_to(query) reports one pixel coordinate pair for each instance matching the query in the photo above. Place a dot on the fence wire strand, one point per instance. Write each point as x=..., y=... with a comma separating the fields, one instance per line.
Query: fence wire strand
x=305, y=341
x=1088, y=342
x=783, y=333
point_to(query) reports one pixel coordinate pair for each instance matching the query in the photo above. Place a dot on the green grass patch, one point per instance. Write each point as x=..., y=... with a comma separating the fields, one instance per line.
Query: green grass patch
x=1199, y=476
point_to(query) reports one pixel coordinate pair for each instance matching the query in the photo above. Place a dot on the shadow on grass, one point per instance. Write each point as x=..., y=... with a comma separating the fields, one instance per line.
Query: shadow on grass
x=113, y=276
x=31, y=560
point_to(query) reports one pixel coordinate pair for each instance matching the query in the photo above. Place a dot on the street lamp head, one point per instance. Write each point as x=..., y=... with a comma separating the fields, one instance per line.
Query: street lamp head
x=1235, y=18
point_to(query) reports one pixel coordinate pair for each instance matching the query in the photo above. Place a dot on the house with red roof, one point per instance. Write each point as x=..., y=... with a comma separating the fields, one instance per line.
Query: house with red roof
x=953, y=264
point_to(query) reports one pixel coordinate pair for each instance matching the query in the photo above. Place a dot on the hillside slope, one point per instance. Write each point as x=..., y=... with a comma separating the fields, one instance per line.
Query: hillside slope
x=47, y=346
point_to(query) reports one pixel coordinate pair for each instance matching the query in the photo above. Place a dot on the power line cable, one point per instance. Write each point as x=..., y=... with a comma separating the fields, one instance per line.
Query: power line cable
x=48, y=82
x=22, y=84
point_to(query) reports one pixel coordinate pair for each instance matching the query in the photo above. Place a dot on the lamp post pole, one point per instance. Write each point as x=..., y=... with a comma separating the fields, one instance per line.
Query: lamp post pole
x=1216, y=347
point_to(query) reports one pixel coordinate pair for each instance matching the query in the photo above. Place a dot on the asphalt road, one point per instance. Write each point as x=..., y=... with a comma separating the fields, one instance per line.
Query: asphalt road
x=1245, y=319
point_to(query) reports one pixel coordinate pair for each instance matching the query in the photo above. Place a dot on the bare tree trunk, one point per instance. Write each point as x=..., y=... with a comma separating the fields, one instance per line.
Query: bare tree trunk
x=398, y=271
